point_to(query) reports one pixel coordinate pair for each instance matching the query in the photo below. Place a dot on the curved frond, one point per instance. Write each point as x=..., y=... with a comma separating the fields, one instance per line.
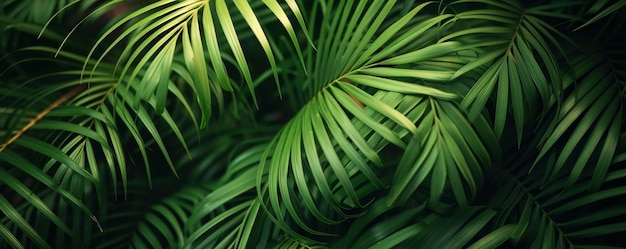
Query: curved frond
x=516, y=55
x=449, y=152
x=393, y=124
x=368, y=231
x=585, y=131
x=71, y=128
x=161, y=224
x=368, y=91
x=194, y=27
x=230, y=215
x=463, y=229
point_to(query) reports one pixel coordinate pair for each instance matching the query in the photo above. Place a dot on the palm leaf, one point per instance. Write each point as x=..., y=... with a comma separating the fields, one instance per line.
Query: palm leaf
x=415, y=226
x=37, y=199
x=104, y=91
x=439, y=154
x=363, y=99
x=365, y=232
x=145, y=229
x=38, y=12
x=67, y=135
x=605, y=11
x=230, y=214
x=190, y=25
x=512, y=47
x=462, y=230
x=214, y=204
x=553, y=218
x=586, y=128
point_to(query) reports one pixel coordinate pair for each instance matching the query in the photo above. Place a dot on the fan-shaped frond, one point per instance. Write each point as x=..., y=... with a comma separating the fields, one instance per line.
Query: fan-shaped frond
x=100, y=103
x=212, y=206
x=225, y=212
x=516, y=57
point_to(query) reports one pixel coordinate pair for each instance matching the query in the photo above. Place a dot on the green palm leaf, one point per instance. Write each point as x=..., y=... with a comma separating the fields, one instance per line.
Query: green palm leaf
x=230, y=215
x=462, y=228
x=366, y=233
x=362, y=100
x=190, y=25
x=553, y=218
x=24, y=11
x=605, y=11
x=142, y=230
x=405, y=228
x=69, y=135
x=586, y=128
x=448, y=152
x=443, y=124
x=44, y=207
x=514, y=54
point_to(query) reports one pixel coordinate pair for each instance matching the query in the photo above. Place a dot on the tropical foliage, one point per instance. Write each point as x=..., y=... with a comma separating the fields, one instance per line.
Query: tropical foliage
x=312, y=124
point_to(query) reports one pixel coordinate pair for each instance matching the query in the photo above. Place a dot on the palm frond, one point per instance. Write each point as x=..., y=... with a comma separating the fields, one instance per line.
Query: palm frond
x=515, y=55
x=366, y=232
x=146, y=229
x=14, y=221
x=368, y=92
x=463, y=229
x=403, y=228
x=585, y=131
x=601, y=9
x=192, y=26
x=548, y=217
x=38, y=12
x=392, y=124
x=230, y=215
x=69, y=134
x=449, y=152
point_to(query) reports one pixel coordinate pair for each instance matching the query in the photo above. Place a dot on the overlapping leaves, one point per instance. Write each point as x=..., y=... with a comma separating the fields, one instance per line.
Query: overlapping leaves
x=448, y=152
x=166, y=27
x=369, y=92
x=516, y=55
x=548, y=217
x=585, y=131
x=69, y=135
x=381, y=149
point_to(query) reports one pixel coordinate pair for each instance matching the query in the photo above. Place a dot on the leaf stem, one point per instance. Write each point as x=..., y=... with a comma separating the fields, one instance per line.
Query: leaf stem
x=76, y=90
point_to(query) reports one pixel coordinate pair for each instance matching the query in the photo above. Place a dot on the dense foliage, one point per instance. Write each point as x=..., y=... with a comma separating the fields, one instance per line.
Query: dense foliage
x=312, y=124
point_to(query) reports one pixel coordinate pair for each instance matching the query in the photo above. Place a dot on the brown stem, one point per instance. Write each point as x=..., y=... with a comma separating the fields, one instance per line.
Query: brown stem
x=76, y=90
